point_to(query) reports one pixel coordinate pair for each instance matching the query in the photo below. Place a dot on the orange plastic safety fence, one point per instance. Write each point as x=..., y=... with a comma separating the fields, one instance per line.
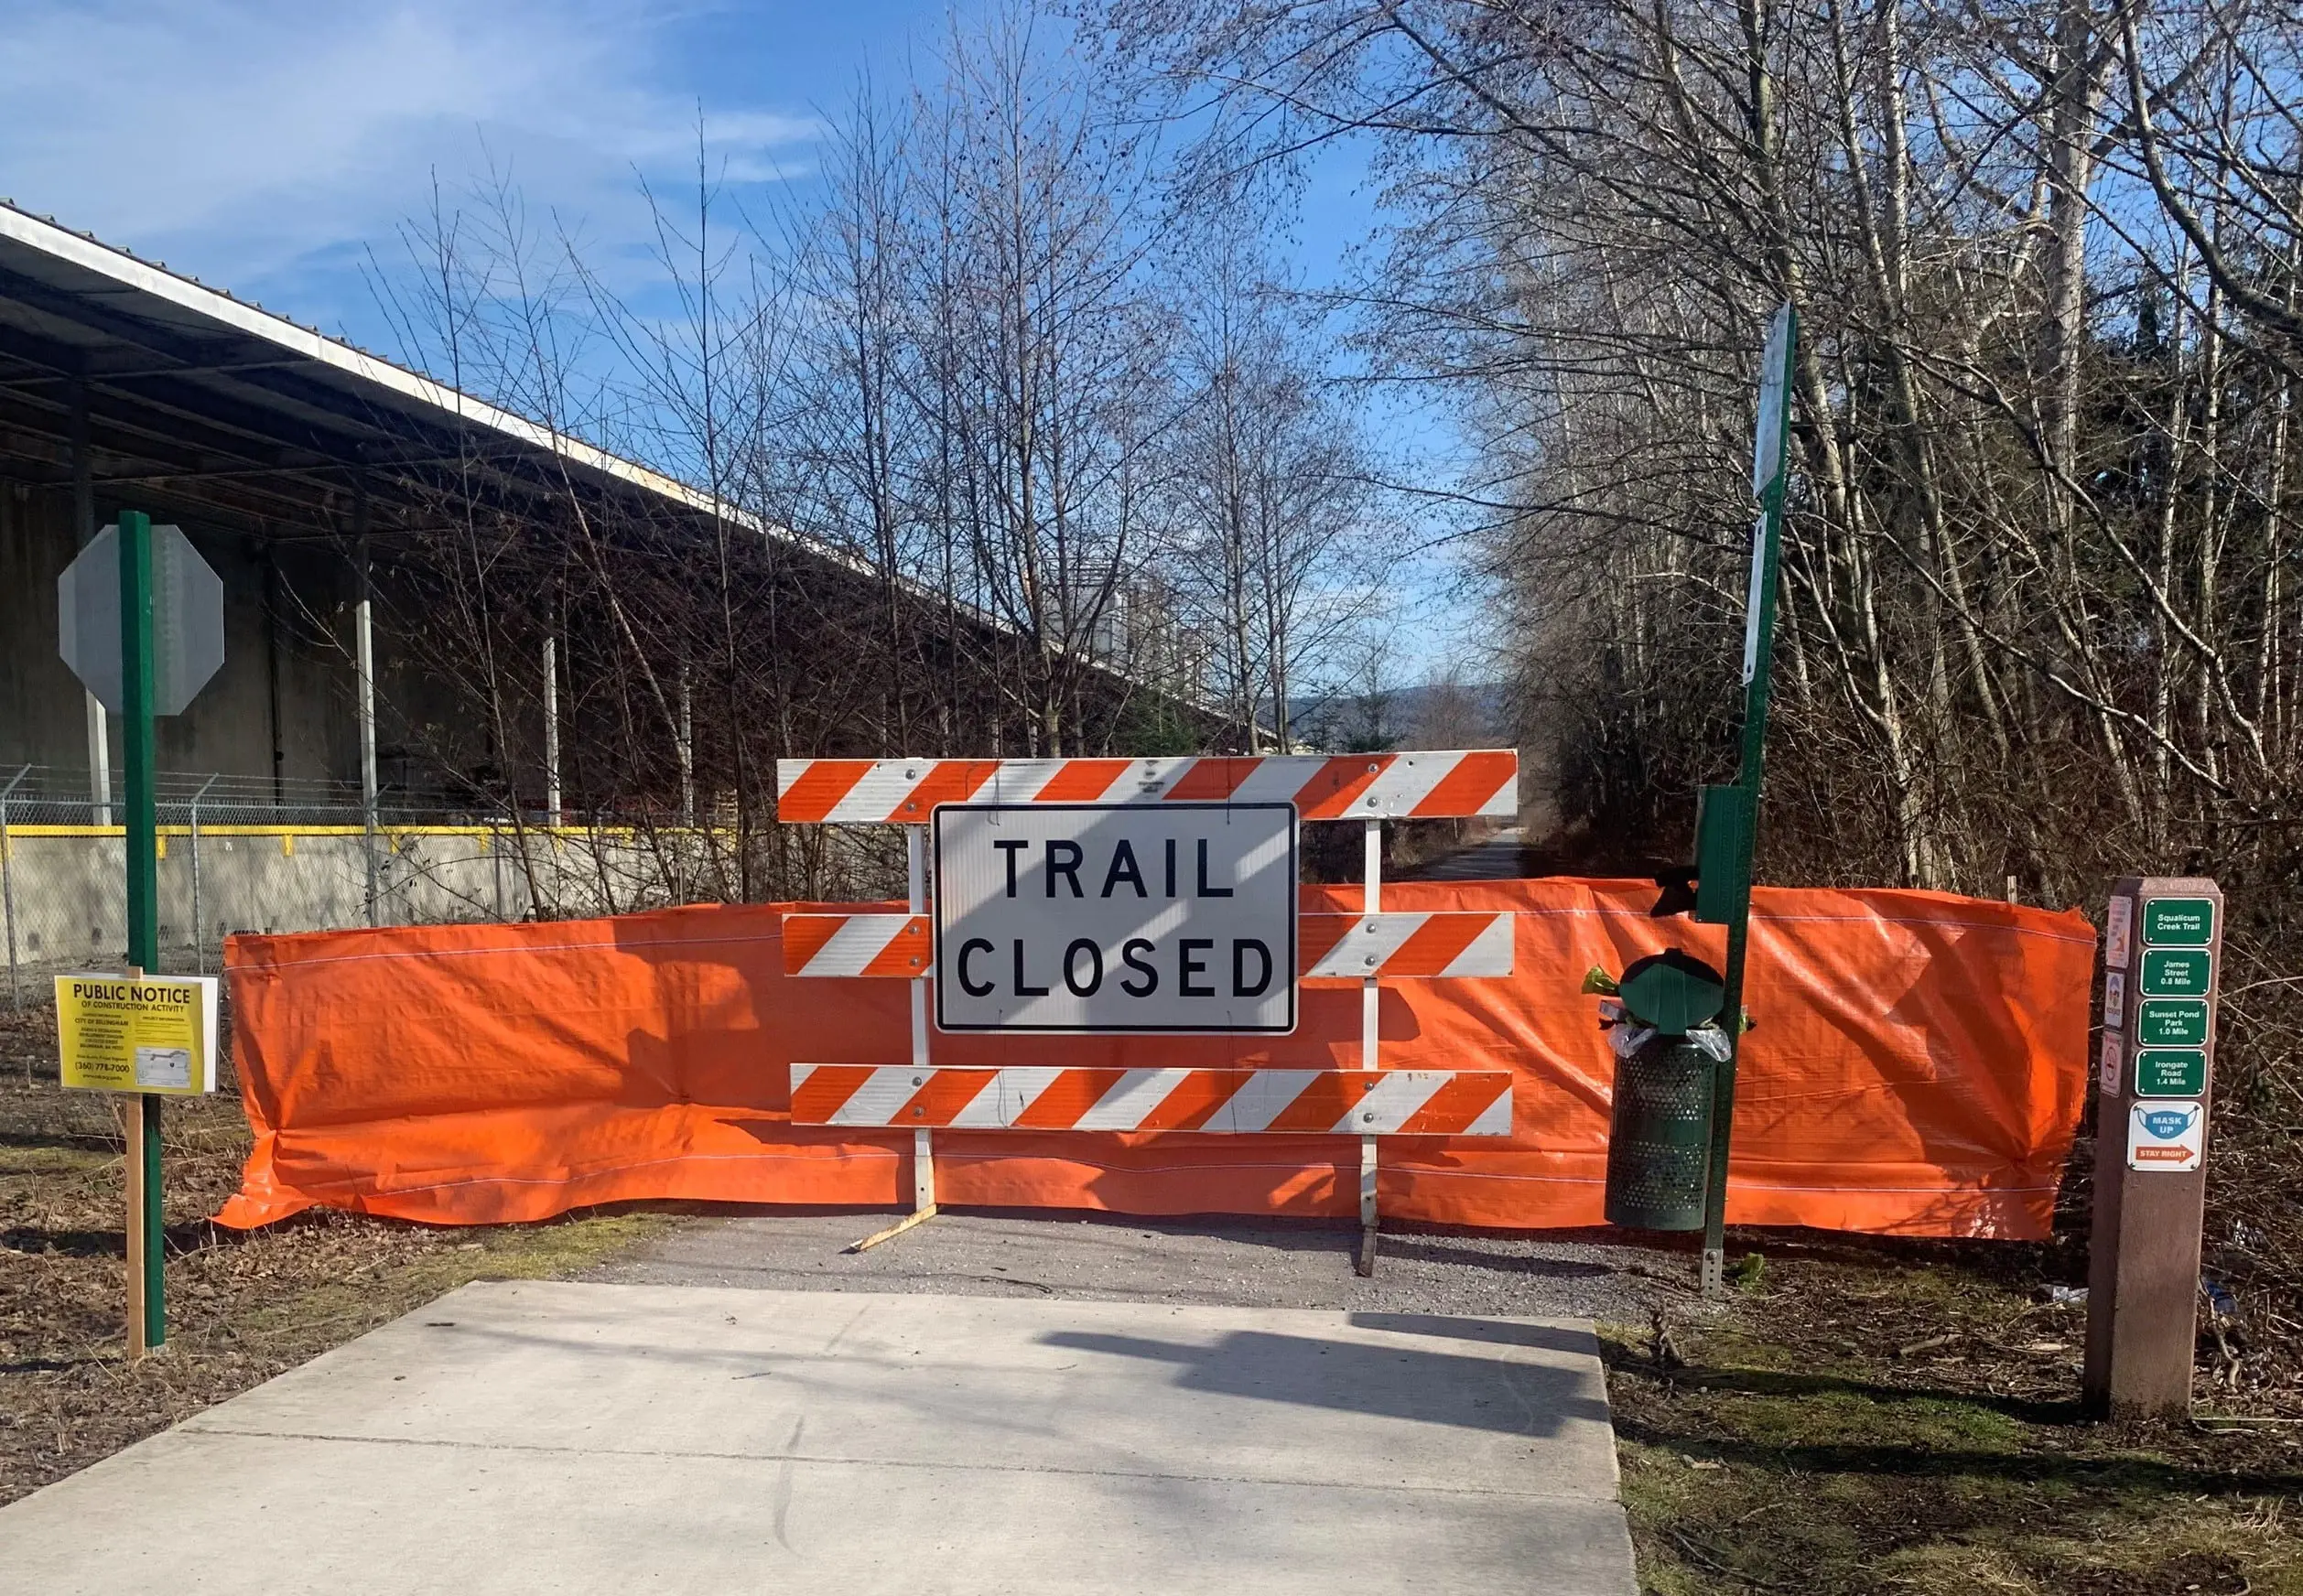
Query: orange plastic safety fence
x=1918, y=1067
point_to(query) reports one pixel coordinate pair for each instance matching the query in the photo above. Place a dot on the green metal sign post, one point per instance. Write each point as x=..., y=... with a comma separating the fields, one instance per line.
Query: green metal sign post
x=148, y=1222
x=140, y=619
x=1769, y=469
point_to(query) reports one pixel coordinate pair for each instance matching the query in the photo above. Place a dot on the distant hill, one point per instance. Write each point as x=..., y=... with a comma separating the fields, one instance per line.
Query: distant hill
x=1434, y=715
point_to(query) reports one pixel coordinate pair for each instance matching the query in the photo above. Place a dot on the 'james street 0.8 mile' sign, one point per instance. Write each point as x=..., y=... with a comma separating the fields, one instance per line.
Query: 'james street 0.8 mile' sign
x=1115, y=918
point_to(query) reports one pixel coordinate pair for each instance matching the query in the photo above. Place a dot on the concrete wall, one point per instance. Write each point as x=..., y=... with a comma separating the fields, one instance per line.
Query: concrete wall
x=61, y=897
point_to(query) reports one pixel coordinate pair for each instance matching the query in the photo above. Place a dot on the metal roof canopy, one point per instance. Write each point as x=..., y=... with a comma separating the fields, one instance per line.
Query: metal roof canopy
x=199, y=401
x=261, y=423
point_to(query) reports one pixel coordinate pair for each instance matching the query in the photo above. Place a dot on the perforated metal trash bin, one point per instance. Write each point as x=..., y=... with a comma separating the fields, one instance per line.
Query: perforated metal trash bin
x=1658, y=1136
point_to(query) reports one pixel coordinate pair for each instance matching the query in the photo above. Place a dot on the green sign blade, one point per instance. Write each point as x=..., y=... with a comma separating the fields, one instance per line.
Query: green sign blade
x=2171, y=1023
x=2177, y=973
x=2171, y=1072
x=1774, y=392
x=2178, y=921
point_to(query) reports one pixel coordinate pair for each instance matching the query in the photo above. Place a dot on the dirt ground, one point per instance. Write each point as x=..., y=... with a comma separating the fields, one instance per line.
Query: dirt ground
x=1202, y=1260
x=1859, y=1415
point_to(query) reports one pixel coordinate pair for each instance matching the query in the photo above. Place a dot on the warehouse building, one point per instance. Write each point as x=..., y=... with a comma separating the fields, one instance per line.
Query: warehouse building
x=315, y=478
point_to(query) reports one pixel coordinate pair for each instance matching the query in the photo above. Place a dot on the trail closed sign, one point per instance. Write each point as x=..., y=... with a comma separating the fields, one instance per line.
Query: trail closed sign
x=1115, y=917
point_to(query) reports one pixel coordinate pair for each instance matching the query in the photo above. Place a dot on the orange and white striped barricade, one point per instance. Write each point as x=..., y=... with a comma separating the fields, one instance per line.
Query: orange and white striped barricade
x=1369, y=948
x=1218, y=1102
x=1396, y=786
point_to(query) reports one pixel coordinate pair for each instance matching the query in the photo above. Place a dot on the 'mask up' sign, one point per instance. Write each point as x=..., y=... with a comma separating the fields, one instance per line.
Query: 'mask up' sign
x=2165, y=1136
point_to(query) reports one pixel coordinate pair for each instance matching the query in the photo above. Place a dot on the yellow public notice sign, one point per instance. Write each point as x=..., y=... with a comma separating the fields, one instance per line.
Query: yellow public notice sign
x=144, y=1033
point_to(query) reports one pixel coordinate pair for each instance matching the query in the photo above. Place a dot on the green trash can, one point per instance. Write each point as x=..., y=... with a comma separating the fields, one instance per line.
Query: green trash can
x=1659, y=1138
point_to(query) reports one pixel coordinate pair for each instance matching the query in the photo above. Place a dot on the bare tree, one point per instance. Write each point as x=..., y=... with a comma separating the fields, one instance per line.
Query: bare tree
x=1279, y=522
x=2035, y=617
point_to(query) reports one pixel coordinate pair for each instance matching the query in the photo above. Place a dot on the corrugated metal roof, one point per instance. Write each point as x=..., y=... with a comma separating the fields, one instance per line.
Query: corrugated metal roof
x=262, y=424
x=165, y=356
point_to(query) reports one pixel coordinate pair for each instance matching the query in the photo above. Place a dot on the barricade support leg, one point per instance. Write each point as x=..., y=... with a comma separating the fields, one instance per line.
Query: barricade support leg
x=923, y=1193
x=1366, y=1262
x=923, y=1141
x=1370, y=1019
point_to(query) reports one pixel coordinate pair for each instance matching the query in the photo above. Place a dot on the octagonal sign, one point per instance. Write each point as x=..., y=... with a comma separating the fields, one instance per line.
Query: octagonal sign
x=188, y=620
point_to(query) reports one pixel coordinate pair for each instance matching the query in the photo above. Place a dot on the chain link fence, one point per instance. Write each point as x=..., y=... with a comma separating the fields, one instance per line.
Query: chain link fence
x=250, y=853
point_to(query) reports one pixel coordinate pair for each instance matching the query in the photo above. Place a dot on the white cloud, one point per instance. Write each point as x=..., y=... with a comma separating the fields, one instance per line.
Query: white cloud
x=251, y=142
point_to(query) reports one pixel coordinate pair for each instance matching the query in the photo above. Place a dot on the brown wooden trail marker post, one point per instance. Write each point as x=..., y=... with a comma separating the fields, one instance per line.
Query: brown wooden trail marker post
x=2163, y=958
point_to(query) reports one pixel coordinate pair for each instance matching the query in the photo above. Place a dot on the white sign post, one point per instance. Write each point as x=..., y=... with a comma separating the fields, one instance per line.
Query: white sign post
x=1098, y=918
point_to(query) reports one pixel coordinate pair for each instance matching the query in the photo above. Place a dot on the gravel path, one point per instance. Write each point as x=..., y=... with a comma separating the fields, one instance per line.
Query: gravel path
x=1221, y=1262
x=1496, y=859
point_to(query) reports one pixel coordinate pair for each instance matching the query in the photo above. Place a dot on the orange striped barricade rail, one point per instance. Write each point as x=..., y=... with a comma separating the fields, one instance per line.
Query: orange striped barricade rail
x=1219, y=1102
x=1369, y=948
x=1401, y=786
x=1332, y=946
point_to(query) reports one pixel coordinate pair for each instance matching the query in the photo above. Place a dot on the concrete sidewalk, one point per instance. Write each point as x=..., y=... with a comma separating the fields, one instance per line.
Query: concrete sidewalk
x=534, y=1437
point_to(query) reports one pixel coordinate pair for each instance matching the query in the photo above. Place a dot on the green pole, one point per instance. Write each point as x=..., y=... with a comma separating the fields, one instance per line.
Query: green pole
x=1759, y=661
x=144, y=863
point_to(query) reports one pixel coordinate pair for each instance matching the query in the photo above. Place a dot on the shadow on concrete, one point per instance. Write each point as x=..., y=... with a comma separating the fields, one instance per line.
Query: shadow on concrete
x=1501, y=1331
x=1393, y=1382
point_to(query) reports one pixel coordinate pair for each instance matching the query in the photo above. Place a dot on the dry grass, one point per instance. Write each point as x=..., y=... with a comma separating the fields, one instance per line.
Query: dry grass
x=1876, y=1418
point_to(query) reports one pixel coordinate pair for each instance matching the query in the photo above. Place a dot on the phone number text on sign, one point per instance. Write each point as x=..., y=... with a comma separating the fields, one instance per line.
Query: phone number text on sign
x=1178, y=917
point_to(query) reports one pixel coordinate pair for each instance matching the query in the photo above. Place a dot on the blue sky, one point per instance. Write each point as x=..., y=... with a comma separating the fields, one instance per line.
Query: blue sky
x=268, y=146
x=265, y=146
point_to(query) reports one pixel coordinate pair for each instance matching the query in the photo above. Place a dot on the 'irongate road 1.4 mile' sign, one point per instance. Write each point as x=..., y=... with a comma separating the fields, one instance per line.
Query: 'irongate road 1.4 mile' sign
x=1087, y=917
